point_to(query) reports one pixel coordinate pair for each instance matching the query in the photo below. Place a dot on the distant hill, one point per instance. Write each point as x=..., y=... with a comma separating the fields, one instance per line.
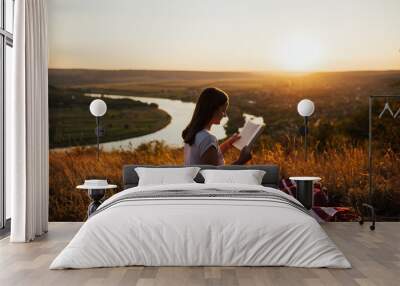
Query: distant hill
x=134, y=80
x=79, y=77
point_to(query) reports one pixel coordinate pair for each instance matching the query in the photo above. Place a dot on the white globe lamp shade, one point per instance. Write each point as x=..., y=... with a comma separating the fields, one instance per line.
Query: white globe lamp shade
x=98, y=107
x=305, y=107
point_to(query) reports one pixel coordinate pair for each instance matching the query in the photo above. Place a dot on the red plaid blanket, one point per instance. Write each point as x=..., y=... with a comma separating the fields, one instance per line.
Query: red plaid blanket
x=321, y=209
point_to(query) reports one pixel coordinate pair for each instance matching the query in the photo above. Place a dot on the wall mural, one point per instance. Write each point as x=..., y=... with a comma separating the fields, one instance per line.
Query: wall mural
x=150, y=60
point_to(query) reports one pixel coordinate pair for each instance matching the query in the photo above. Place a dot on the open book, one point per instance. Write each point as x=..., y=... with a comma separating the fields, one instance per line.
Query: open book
x=248, y=134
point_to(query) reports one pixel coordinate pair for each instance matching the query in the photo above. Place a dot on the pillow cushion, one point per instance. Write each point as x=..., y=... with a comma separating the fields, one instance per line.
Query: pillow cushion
x=166, y=176
x=248, y=177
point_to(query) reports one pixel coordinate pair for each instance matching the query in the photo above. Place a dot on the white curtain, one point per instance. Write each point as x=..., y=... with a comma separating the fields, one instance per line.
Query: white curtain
x=27, y=123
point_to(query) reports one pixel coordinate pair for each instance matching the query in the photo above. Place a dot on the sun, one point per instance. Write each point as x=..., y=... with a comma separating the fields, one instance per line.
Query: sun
x=300, y=54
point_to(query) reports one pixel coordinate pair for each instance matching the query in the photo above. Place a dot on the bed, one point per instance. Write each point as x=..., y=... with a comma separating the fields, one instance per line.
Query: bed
x=197, y=224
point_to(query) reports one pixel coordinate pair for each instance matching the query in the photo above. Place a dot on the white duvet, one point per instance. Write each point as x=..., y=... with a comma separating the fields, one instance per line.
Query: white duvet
x=200, y=231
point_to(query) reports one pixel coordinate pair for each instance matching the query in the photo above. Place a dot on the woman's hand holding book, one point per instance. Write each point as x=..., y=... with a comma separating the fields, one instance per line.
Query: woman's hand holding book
x=228, y=143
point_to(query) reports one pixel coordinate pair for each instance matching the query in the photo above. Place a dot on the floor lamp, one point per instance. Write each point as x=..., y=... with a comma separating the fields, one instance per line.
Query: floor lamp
x=305, y=108
x=98, y=108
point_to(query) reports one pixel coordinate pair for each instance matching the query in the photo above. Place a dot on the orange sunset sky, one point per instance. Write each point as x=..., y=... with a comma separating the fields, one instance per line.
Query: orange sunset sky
x=251, y=35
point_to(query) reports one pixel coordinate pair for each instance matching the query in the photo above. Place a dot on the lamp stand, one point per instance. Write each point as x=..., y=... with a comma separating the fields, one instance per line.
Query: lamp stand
x=305, y=136
x=99, y=131
x=98, y=136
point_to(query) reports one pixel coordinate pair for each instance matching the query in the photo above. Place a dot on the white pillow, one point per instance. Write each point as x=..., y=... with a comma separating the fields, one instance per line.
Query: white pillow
x=165, y=176
x=248, y=177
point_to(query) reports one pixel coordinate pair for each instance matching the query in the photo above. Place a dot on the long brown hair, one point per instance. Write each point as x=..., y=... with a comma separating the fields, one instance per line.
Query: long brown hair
x=207, y=104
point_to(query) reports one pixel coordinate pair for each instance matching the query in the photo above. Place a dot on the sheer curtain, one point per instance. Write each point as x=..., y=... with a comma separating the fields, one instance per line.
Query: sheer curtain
x=27, y=124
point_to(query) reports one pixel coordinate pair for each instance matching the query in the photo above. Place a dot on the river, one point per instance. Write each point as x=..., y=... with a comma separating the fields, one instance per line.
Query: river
x=180, y=112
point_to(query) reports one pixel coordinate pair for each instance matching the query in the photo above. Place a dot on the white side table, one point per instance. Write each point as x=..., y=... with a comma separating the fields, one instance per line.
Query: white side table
x=304, y=192
x=96, y=190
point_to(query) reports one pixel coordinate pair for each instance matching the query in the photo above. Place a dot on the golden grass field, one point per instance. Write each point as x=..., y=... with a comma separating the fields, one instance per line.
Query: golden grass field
x=343, y=169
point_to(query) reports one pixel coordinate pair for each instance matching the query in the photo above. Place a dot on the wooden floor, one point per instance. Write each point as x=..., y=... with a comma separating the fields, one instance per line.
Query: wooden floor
x=375, y=257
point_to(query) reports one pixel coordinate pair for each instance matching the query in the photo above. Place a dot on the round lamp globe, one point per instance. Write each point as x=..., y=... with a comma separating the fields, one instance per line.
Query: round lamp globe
x=98, y=107
x=305, y=107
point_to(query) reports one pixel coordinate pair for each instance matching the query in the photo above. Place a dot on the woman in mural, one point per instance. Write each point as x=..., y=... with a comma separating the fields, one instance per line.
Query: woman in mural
x=201, y=147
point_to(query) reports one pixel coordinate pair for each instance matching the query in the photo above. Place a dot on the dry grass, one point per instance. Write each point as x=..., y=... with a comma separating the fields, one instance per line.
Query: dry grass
x=342, y=168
